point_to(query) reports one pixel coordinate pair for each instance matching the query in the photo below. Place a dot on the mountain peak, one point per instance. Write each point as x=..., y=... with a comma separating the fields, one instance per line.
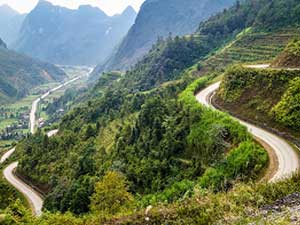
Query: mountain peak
x=44, y=2
x=7, y=10
x=91, y=9
x=2, y=44
x=129, y=10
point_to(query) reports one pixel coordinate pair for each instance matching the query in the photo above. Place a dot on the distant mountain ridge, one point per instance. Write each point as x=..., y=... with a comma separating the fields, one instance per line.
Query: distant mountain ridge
x=20, y=73
x=10, y=23
x=160, y=18
x=60, y=35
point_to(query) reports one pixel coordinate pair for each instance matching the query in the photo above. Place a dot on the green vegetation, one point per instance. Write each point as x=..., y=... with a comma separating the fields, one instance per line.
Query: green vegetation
x=111, y=195
x=166, y=142
x=251, y=46
x=241, y=163
x=290, y=57
x=249, y=33
x=269, y=96
x=240, y=205
x=7, y=194
x=287, y=110
x=142, y=138
x=20, y=73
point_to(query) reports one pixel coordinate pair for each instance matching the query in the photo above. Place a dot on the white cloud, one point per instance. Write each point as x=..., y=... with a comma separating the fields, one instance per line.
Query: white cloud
x=111, y=7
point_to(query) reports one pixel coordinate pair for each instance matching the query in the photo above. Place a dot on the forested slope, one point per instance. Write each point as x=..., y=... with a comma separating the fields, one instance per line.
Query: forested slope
x=290, y=57
x=19, y=73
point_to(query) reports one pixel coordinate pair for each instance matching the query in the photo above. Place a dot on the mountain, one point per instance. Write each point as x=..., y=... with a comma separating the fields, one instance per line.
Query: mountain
x=20, y=73
x=290, y=58
x=76, y=37
x=10, y=23
x=160, y=18
x=141, y=139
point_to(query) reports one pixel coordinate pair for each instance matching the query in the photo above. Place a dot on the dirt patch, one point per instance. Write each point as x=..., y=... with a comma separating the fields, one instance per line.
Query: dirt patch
x=273, y=161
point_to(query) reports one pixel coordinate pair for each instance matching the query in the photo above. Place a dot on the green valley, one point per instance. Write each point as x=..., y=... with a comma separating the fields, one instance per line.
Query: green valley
x=20, y=73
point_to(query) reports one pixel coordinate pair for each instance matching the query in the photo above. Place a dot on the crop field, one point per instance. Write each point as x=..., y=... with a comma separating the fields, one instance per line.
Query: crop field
x=261, y=47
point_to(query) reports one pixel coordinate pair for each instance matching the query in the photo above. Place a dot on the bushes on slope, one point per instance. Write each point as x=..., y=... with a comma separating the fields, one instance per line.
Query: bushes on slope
x=287, y=110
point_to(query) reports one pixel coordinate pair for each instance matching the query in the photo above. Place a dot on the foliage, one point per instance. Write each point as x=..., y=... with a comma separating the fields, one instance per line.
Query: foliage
x=287, y=110
x=7, y=194
x=268, y=96
x=167, y=60
x=162, y=142
x=166, y=142
x=111, y=195
x=242, y=163
x=259, y=14
x=178, y=191
x=158, y=138
x=294, y=48
x=290, y=56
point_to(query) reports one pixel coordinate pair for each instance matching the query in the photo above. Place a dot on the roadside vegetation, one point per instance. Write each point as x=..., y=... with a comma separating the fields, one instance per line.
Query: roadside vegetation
x=268, y=96
x=290, y=58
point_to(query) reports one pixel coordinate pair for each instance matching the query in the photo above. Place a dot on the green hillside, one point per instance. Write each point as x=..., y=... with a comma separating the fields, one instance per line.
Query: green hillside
x=155, y=143
x=251, y=46
x=268, y=96
x=19, y=73
x=290, y=57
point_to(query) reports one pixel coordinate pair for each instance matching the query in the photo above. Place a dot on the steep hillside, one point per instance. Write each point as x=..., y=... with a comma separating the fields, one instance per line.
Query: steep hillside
x=10, y=23
x=268, y=96
x=152, y=141
x=85, y=36
x=160, y=18
x=250, y=46
x=290, y=58
x=19, y=73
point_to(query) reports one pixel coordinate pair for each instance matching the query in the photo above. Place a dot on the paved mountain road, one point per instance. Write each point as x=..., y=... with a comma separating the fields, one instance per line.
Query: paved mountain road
x=37, y=101
x=33, y=197
x=288, y=160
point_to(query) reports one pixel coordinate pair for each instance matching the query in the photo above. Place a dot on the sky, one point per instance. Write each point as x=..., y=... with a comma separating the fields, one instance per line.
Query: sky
x=110, y=7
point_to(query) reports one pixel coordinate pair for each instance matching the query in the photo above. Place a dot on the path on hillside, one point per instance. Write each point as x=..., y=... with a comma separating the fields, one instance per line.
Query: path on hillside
x=37, y=101
x=288, y=160
x=33, y=197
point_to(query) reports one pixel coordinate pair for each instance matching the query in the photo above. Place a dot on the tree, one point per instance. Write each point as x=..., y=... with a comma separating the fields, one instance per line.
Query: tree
x=111, y=195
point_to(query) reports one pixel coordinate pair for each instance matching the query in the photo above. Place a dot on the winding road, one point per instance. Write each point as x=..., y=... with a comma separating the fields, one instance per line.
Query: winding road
x=37, y=101
x=288, y=160
x=34, y=198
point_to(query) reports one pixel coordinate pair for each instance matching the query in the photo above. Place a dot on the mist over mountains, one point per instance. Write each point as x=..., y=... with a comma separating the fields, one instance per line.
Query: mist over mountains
x=10, y=23
x=85, y=36
x=160, y=18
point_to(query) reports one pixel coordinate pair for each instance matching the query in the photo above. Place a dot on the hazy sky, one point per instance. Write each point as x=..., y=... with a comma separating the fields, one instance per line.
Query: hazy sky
x=111, y=7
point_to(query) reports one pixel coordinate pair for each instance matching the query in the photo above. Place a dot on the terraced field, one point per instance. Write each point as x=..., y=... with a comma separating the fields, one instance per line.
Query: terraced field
x=251, y=47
